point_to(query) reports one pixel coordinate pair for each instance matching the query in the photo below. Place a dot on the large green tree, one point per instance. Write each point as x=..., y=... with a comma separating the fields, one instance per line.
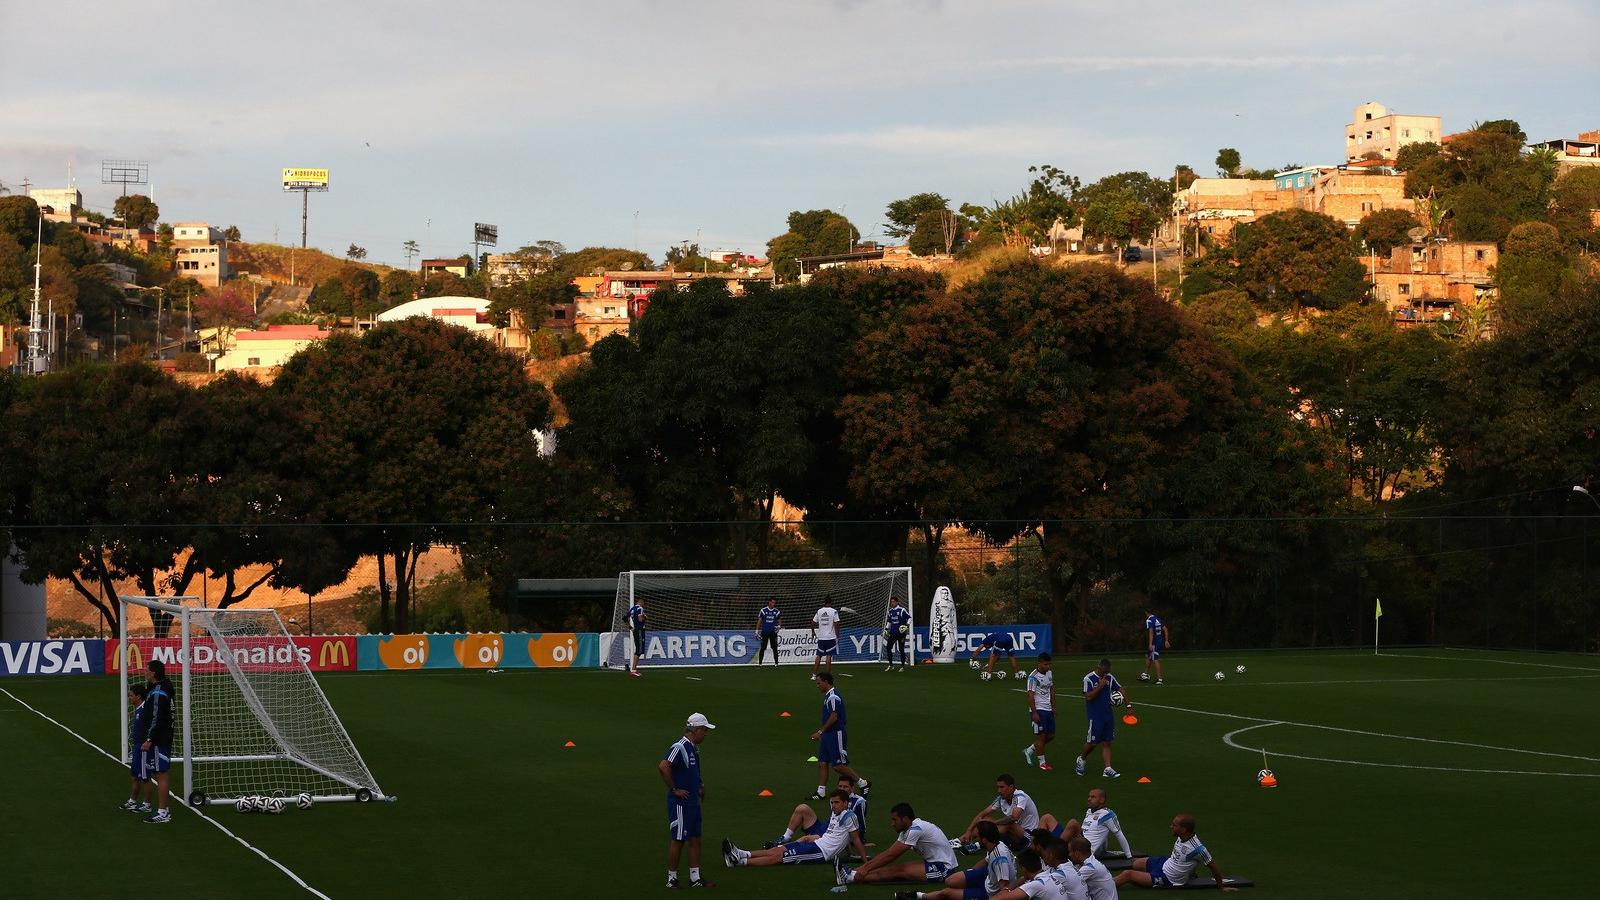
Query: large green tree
x=906, y=214
x=814, y=232
x=137, y=211
x=1575, y=207
x=1295, y=259
x=1125, y=207
x=592, y=259
x=1386, y=229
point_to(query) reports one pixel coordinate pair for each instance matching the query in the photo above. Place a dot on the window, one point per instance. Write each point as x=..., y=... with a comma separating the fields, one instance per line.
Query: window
x=253, y=361
x=1481, y=254
x=1405, y=132
x=1405, y=288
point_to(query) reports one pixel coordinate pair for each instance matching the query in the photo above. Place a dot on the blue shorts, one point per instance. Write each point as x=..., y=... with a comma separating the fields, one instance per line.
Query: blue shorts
x=1060, y=829
x=1158, y=878
x=683, y=819
x=1154, y=653
x=935, y=872
x=1046, y=723
x=975, y=877
x=801, y=852
x=993, y=648
x=1102, y=730
x=827, y=648
x=831, y=748
x=149, y=763
x=817, y=829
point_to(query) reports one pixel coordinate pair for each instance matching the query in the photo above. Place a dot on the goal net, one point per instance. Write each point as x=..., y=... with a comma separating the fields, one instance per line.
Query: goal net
x=248, y=716
x=711, y=617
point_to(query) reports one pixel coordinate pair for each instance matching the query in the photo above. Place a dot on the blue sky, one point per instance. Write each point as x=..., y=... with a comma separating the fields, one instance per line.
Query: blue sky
x=562, y=119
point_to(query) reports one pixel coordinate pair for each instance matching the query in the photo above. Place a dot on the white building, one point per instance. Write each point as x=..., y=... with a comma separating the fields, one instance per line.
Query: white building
x=471, y=313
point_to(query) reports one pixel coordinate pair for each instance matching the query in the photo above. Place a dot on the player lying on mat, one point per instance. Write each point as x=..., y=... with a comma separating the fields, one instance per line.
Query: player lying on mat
x=1099, y=824
x=1188, y=853
x=842, y=832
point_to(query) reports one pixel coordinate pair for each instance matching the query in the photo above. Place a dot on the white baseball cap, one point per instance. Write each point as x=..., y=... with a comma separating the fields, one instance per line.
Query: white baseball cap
x=698, y=720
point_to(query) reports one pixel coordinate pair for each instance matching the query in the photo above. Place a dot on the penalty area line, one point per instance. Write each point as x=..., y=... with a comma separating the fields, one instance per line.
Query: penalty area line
x=1229, y=740
x=218, y=825
x=1486, y=659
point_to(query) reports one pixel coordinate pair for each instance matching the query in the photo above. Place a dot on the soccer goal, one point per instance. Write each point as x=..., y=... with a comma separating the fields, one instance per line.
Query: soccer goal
x=709, y=617
x=248, y=716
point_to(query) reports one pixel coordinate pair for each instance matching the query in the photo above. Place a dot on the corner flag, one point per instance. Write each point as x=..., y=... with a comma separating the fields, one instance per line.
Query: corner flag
x=1377, y=610
x=1377, y=621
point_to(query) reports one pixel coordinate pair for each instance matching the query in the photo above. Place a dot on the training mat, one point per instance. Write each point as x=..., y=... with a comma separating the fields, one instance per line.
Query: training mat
x=1200, y=884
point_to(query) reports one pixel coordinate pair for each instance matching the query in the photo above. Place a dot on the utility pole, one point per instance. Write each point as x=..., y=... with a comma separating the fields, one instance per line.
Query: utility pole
x=36, y=360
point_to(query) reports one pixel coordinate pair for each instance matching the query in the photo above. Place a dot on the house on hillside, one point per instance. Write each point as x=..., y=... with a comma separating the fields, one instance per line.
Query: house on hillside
x=1374, y=129
x=268, y=348
x=200, y=253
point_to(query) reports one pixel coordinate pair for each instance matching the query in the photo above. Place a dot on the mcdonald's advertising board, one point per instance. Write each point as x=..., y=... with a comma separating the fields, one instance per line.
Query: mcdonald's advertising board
x=317, y=652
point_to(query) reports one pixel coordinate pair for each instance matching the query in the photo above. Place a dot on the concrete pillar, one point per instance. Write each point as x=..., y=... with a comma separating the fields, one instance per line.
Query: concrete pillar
x=22, y=606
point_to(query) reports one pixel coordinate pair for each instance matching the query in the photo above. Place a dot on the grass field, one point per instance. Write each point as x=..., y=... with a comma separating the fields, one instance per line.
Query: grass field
x=1420, y=773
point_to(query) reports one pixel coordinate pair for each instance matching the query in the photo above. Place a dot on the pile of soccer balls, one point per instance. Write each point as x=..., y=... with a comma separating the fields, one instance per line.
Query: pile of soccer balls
x=973, y=663
x=1219, y=676
x=274, y=805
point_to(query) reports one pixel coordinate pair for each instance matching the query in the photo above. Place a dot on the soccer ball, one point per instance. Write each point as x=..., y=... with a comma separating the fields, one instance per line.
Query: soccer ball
x=276, y=805
x=905, y=629
x=1000, y=674
x=1239, y=669
x=303, y=800
x=1144, y=676
x=245, y=804
x=1219, y=676
x=972, y=663
x=1263, y=775
x=1117, y=698
x=984, y=676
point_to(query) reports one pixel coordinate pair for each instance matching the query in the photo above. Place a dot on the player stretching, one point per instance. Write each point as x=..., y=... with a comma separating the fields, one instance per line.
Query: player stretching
x=1041, y=710
x=636, y=623
x=804, y=821
x=997, y=872
x=911, y=833
x=825, y=632
x=1098, y=686
x=1015, y=810
x=768, y=620
x=896, y=628
x=1098, y=825
x=1157, y=637
x=138, y=724
x=157, y=743
x=680, y=769
x=1174, y=871
x=843, y=831
x=830, y=738
x=994, y=642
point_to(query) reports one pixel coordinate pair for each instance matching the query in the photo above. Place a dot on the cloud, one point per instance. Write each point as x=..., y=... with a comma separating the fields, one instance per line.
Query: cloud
x=1124, y=63
x=997, y=141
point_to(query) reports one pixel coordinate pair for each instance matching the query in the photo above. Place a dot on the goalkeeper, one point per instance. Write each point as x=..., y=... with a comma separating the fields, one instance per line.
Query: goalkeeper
x=897, y=627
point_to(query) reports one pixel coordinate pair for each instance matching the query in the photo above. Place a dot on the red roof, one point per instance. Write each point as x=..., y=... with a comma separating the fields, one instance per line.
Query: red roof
x=456, y=312
x=284, y=333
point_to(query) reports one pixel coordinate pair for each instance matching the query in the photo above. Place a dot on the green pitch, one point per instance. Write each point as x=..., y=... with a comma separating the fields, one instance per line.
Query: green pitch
x=1422, y=773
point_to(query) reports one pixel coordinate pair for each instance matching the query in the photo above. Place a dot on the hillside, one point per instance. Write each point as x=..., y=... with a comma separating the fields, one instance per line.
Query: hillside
x=272, y=261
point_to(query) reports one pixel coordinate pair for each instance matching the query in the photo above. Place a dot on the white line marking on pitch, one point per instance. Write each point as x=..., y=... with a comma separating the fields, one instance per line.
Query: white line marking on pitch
x=1381, y=734
x=1244, y=682
x=1229, y=740
x=223, y=828
x=1503, y=662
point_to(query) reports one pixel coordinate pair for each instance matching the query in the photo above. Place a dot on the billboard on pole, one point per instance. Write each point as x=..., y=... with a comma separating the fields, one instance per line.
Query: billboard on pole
x=305, y=179
x=485, y=234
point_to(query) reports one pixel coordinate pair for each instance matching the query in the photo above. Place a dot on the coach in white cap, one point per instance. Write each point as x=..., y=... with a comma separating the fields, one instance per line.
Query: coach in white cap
x=680, y=769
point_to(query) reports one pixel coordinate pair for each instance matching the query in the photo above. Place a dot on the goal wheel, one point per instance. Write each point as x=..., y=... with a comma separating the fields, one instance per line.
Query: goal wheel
x=363, y=795
x=197, y=798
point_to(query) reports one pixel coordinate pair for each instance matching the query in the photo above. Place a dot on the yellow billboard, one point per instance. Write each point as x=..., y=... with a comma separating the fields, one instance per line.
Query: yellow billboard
x=302, y=178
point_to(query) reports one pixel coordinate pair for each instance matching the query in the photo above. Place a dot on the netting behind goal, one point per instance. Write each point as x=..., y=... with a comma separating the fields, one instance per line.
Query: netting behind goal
x=249, y=717
x=710, y=617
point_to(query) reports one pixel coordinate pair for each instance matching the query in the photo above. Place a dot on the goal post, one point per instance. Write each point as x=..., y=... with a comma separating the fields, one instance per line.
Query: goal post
x=708, y=617
x=249, y=716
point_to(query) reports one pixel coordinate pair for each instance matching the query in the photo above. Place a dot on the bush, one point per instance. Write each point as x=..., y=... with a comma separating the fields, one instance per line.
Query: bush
x=192, y=362
x=449, y=603
x=69, y=628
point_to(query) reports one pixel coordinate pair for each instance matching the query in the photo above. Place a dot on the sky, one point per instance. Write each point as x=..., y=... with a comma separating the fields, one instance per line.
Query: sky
x=649, y=122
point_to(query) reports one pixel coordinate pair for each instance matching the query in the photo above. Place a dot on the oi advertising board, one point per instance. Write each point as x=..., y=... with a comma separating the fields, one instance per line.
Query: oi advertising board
x=796, y=645
x=491, y=650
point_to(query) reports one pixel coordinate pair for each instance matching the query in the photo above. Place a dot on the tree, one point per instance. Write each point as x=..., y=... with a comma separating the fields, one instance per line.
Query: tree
x=1297, y=258
x=136, y=211
x=398, y=286
x=526, y=303
x=1224, y=311
x=362, y=289
x=906, y=215
x=355, y=252
x=449, y=415
x=1124, y=207
x=816, y=232
x=591, y=259
x=225, y=307
x=231, y=233
x=329, y=298
x=937, y=231
x=1574, y=202
x=444, y=284
x=1386, y=229
x=19, y=217
x=1228, y=162
x=1049, y=200
x=411, y=249
x=1184, y=176
x=1531, y=269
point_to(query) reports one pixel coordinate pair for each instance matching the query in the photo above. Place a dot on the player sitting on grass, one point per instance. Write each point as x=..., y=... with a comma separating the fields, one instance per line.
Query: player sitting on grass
x=1096, y=878
x=1174, y=871
x=829, y=846
x=138, y=724
x=1015, y=810
x=1099, y=824
x=1041, y=710
x=996, y=873
x=937, y=863
x=804, y=821
x=1058, y=867
x=995, y=642
x=1036, y=881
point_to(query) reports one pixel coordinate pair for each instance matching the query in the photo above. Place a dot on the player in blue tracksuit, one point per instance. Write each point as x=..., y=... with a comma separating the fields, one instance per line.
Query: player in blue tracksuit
x=768, y=620
x=636, y=625
x=1098, y=686
x=680, y=769
x=1157, y=637
x=997, y=642
x=830, y=738
x=138, y=725
x=896, y=629
x=157, y=739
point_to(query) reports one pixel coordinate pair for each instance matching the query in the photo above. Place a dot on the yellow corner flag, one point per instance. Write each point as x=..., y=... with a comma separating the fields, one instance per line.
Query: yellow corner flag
x=1377, y=611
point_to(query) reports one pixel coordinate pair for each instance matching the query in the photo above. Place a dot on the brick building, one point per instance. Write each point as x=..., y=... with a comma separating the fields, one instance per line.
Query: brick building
x=1429, y=281
x=1374, y=129
x=200, y=253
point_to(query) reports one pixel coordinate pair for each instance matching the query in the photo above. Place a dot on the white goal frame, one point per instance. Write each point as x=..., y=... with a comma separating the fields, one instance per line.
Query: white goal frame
x=183, y=628
x=626, y=592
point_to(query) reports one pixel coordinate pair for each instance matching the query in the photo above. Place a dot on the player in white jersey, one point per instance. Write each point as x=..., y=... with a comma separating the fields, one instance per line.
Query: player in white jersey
x=1036, y=881
x=825, y=633
x=1014, y=810
x=1059, y=869
x=827, y=847
x=1096, y=878
x=1174, y=871
x=996, y=874
x=938, y=860
x=1099, y=824
x=805, y=821
x=1041, y=710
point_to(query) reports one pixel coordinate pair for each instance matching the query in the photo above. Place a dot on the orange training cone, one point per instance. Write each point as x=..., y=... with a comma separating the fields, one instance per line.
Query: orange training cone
x=784, y=714
x=764, y=793
x=1130, y=719
x=571, y=744
x=1144, y=779
x=1270, y=781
